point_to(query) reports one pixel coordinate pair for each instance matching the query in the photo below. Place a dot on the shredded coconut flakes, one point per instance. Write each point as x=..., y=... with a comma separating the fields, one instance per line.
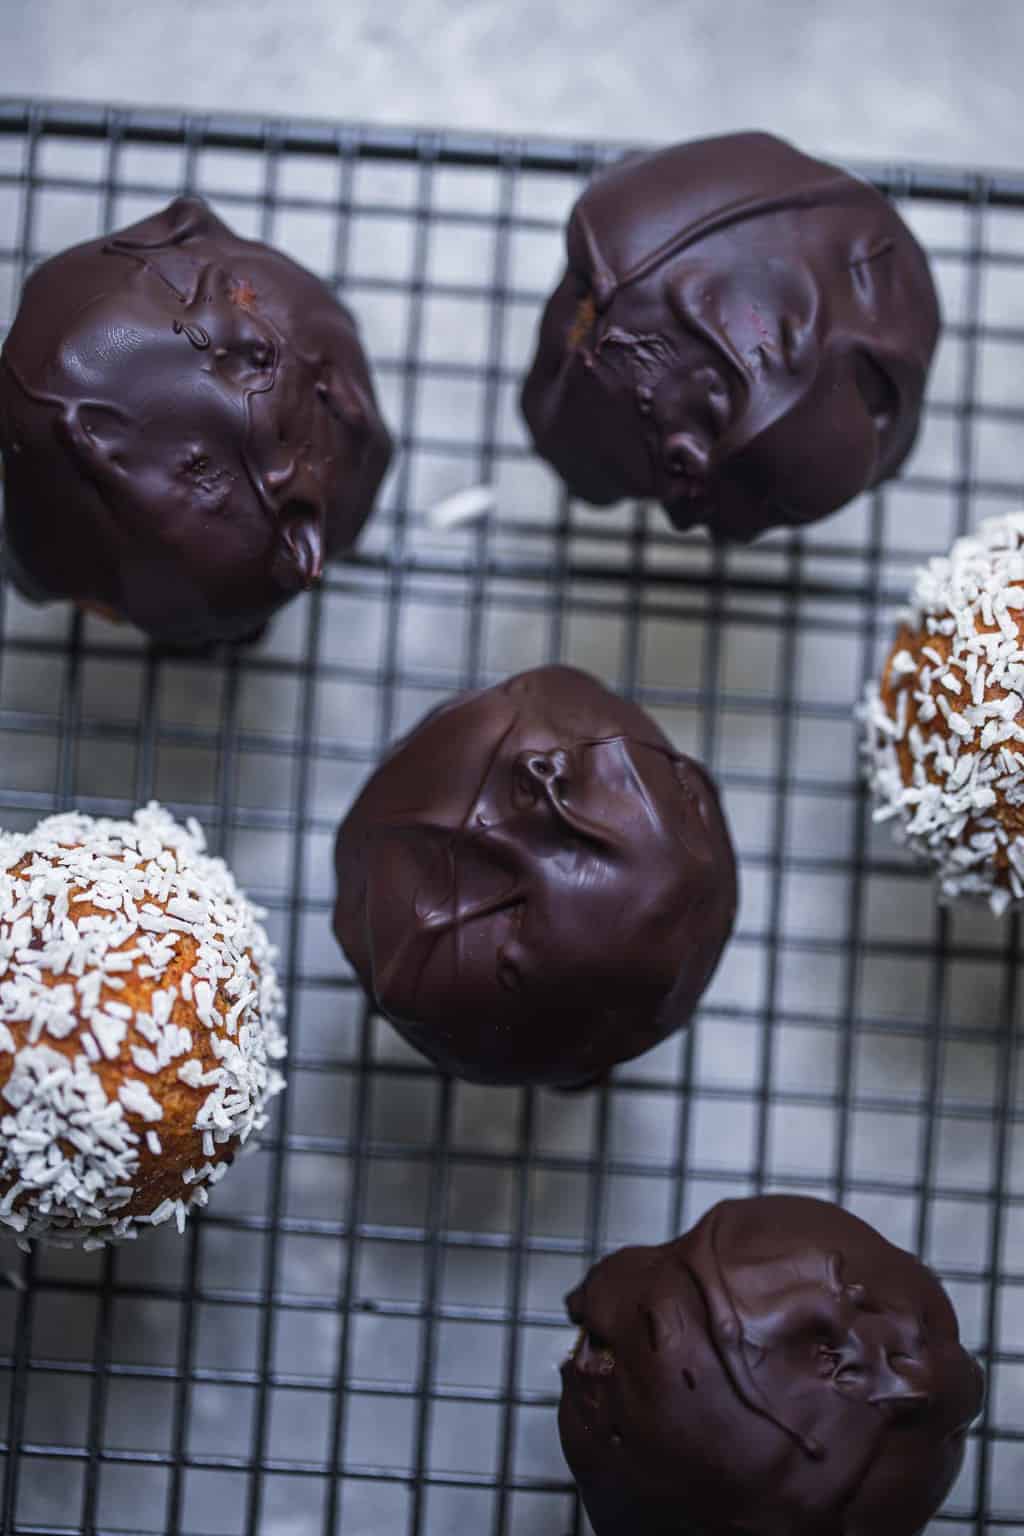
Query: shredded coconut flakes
x=948, y=813
x=68, y=1152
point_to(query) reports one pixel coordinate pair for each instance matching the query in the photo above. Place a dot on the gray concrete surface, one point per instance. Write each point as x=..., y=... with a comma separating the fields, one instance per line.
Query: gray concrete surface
x=923, y=79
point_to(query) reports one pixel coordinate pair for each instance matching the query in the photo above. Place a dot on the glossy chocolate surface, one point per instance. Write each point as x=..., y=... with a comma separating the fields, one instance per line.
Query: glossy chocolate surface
x=781, y=1369
x=742, y=333
x=535, y=884
x=188, y=428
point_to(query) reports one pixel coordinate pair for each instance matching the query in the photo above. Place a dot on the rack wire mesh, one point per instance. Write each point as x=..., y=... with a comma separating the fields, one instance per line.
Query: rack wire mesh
x=360, y=1336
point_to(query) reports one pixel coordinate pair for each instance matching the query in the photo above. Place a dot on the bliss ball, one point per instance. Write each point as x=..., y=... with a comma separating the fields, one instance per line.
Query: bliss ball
x=534, y=884
x=944, y=726
x=742, y=333
x=139, y=1025
x=781, y=1368
x=188, y=428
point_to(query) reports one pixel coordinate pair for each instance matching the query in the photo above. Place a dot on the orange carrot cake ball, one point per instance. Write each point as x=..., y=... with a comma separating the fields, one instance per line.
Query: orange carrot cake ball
x=139, y=1025
x=945, y=724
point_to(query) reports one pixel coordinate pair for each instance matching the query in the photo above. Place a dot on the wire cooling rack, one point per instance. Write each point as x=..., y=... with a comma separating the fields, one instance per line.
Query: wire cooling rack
x=361, y=1335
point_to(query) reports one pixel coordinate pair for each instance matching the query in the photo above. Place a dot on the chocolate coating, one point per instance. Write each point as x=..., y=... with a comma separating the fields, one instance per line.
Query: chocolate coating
x=742, y=333
x=534, y=884
x=188, y=428
x=781, y=1369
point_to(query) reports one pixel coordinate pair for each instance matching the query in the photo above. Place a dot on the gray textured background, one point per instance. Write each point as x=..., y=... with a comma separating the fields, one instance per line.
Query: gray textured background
x=931, y=79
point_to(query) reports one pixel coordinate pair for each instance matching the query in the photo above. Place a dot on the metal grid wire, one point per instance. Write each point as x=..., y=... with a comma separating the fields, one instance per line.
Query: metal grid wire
x=361, y=1334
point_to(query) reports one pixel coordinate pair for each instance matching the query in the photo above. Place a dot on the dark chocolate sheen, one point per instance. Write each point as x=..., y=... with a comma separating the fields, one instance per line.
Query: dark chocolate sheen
x=188, y=428
x=781, y=1370
x=535, y=884
x=742, y=333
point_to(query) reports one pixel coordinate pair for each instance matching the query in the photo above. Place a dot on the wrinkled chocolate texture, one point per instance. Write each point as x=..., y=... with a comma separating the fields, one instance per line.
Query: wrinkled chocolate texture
x=535, y=884
x=781, y=1370
x=188, y=428
x=742, y=333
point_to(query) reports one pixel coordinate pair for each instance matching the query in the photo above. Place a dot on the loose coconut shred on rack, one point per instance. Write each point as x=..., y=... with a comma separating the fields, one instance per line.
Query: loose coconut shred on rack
x=139, y=1025
x=945, y=726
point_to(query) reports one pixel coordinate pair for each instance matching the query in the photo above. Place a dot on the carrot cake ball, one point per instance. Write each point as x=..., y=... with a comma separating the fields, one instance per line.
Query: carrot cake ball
x=139, y=1025
x=945, y=724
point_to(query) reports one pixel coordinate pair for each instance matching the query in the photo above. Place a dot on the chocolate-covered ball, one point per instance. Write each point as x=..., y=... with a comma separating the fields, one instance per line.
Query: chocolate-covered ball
x=535, y=884
x=188, y=428
x=780, y=1369
x=742, y=333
